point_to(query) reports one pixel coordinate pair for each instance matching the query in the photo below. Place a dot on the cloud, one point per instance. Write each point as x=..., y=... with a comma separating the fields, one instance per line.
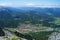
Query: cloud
x=6, y=4
x=17, y=4
x=28, y=5
x=9, y=4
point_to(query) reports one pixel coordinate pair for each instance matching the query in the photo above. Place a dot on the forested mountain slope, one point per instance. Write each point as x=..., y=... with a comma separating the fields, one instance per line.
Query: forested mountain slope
x=12, y=17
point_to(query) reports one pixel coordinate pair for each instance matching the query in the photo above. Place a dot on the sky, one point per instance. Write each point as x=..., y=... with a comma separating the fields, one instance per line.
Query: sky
x=30, y=3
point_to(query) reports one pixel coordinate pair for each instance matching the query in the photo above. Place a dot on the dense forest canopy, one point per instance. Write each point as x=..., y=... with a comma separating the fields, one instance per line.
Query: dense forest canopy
x=12, y=17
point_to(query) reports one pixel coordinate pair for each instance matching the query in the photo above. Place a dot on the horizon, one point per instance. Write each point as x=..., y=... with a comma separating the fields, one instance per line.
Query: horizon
x=30, y=3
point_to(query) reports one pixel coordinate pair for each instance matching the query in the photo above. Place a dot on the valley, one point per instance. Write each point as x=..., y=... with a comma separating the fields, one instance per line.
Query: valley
x=33, y=23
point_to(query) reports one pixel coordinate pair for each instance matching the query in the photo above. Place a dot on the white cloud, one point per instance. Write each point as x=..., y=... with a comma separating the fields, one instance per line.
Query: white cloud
x=5, y=4
x=28, y=5
x=8, y=4
x=2, y=4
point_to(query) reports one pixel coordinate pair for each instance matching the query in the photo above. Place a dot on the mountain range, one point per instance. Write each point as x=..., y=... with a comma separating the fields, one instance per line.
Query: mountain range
x=12, y=17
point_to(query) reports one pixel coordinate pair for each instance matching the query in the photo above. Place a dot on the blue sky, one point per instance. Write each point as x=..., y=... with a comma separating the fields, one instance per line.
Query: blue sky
x=30, y=3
